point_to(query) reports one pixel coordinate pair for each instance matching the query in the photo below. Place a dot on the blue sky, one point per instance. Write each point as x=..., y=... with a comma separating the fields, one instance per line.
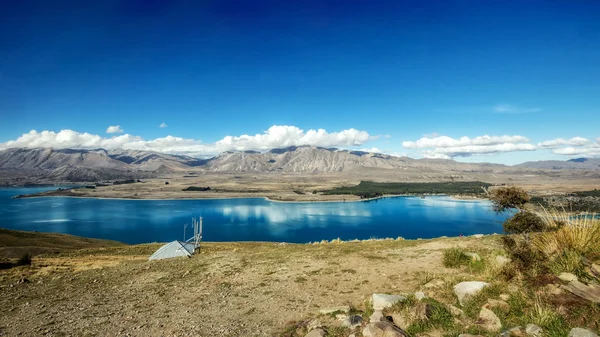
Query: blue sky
x=397, y=70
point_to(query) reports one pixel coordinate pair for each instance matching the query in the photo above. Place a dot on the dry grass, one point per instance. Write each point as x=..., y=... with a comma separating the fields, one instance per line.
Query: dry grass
x=580, y=234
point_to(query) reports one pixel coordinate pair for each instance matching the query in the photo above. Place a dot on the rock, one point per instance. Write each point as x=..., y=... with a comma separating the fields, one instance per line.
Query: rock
x=491, y=303
x=464, y=290
x=590, y=292
x=313, y=324
x=455, y=311
x=435, y=283
x=513, y=332
x=553, y=289
x=398, y=318
x=352, y=321
x=478, y=236
x=567, y=277
x=533, y=330
x=317, y=333
x=377, y=316
x=327, y=311
x=382, y=301
x=502, y=260
x=419, y=295
x=488, y=320
x=504, y=297
x=383, y=329
x=579, y=332
x=474, y=256
x=595, y=269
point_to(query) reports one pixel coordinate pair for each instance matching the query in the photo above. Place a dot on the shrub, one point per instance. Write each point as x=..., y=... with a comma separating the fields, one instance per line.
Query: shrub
x=505, y=198
x=524, y=258
x=24, y=260
x=455, y=257
x=524, y=222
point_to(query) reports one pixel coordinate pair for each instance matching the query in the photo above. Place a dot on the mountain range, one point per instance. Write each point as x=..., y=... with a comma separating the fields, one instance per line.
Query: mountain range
x=78, y=165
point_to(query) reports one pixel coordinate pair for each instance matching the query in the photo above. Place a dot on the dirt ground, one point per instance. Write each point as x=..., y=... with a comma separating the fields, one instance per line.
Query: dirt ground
x=229, y=289
x=300, y=186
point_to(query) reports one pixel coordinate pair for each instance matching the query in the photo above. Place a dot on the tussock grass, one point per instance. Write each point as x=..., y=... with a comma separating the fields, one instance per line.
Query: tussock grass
x=455, y=257
x=576, y=234
x=438, y=317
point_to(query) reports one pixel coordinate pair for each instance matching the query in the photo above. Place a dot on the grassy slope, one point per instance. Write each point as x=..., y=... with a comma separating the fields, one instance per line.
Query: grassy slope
x=14, y=244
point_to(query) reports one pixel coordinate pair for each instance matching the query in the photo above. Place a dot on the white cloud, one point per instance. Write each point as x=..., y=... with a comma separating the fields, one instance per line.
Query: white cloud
x=162, y=125
x=445, y=141
x=276, y=136
x=444, y=147
x=284, y=136
x=372, y=150
x=578, y=151
x=575, y=141
x=589, y=150
x=114, y=129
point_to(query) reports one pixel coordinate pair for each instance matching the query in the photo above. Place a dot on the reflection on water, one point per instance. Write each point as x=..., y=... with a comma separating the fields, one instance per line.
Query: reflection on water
x=135, y=221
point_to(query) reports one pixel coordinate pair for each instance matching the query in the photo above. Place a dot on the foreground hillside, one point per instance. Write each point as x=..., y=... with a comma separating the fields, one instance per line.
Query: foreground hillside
x=254, y=289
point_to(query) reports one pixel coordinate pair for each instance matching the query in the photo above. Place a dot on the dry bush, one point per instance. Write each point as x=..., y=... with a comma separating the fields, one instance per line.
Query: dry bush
x=505, y=198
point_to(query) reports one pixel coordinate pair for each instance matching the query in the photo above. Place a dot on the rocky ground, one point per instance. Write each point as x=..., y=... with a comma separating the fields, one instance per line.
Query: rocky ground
x=256, y=289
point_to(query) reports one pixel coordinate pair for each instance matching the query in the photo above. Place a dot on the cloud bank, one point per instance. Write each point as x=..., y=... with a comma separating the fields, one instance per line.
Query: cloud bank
x=575, y=141
x=586, y=149
x=276, y=136
x=444, y=147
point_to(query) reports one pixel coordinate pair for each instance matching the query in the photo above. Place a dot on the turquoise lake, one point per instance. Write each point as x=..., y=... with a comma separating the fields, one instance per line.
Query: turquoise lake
x=139, y=221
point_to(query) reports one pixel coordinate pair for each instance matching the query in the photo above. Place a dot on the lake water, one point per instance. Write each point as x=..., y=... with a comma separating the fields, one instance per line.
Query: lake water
x=138, y=221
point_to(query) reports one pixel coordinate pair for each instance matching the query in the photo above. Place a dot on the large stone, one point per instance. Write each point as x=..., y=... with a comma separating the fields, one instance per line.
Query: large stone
x=377, y=316
x=466, y=289
x=533, y=330
x=488, y=320
x=382, y=301
x=327, y=311
x=317, y=333
x=352, y=321
x=590, y=292
x=579, y=332
x=478, y=236
x=567, y=277
x=383, y=329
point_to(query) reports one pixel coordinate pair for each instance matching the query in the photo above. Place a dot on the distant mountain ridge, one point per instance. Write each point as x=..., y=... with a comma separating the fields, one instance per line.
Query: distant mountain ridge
x=571, y=164
x=100, y=164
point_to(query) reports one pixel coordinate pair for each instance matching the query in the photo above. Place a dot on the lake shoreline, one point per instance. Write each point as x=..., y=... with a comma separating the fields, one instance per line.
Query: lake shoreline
x=341, y=198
